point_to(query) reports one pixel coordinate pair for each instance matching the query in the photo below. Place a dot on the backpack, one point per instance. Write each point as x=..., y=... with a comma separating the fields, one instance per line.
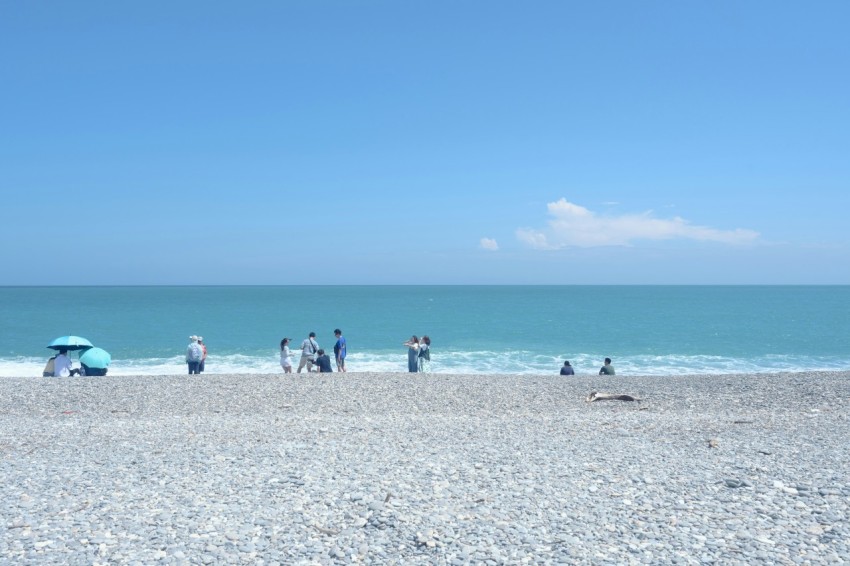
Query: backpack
x=195, y=352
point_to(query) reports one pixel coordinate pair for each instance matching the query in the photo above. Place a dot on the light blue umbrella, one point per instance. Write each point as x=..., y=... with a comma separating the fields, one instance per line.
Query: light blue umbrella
x=96, y=358
x=70, y=343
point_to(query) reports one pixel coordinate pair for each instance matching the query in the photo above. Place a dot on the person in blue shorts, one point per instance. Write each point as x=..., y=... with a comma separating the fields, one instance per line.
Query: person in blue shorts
x=339, y=350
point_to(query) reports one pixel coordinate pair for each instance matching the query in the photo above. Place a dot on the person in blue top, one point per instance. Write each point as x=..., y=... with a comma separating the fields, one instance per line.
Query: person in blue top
x=339, y=350
x=567, y=369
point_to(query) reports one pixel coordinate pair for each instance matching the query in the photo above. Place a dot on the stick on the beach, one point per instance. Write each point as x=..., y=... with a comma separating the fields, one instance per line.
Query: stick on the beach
x=596, y=396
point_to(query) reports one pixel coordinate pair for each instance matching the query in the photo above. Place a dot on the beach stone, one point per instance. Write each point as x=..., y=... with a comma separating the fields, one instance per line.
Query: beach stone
x=505, y=469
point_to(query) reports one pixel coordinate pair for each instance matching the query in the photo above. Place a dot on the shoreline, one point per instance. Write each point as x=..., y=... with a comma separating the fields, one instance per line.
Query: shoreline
x=390, y=467
x=553, y=374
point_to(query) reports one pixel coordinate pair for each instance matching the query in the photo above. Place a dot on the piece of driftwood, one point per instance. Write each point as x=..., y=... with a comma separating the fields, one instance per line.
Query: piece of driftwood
x=596, y=396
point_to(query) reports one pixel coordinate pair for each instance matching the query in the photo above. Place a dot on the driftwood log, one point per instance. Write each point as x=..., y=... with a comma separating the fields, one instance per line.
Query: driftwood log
x=596, y=396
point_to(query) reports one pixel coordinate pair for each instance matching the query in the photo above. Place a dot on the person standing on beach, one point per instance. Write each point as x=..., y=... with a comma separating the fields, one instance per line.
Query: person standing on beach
x=194, y=354
x=339, y=350
x=607, y=369
x=567, y=369
x=412, y=354
x=285, y=355
x=309, y=347
x=204, y=357
x=425, y=354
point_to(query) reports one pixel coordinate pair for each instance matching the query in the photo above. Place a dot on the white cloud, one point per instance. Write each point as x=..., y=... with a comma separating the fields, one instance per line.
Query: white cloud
x=574, y=225
x=489, y=244
x=534, y=239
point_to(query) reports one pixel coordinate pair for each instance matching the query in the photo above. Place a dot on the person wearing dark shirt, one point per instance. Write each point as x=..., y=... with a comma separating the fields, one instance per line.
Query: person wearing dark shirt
x=323, y=362
x=567, y=369
x=339, y=350
x=92, y=371
x=607, y=369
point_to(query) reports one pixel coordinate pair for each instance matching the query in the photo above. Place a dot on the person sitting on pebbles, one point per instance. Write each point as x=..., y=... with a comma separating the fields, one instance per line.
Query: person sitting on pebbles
x=607, y=369
x=323, y=362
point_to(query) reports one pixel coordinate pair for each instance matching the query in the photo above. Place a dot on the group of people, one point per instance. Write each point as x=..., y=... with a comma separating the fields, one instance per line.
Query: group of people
x=606, y=369
x=313, y=355
x=418, y=354
x=418, y=357
x=60, y=366
x=196, y=354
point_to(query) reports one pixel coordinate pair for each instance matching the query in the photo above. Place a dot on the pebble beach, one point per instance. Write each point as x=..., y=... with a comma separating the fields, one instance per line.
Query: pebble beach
x=390, y=468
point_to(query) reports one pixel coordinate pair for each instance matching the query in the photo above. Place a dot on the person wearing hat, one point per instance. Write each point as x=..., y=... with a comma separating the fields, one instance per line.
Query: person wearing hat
x=204, y=357
x=194, y=355
x=309, y=347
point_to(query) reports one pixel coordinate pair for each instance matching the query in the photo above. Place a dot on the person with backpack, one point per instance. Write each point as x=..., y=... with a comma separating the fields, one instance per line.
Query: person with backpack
x=309, y=347
x=194, y=355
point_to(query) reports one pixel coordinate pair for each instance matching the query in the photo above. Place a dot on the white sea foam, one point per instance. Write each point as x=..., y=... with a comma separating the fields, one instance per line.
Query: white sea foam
x=481, y=362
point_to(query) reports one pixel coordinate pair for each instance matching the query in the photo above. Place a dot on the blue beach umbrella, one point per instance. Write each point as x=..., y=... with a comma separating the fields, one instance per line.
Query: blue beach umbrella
x=70, y=343
x=96, y=358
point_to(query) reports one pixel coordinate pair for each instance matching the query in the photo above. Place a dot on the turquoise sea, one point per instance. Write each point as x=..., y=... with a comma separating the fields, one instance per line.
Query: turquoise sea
x=648, y=330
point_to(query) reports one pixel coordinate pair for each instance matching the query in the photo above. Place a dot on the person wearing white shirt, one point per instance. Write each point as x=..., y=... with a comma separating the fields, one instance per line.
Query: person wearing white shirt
x=285, y=355
x=62, y=364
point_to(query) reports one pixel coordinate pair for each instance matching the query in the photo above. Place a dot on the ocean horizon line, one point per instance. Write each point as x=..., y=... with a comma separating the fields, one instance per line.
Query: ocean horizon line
x=325, y=285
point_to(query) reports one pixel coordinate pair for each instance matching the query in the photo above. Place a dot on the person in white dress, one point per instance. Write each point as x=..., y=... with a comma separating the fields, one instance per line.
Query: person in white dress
x=285, y=355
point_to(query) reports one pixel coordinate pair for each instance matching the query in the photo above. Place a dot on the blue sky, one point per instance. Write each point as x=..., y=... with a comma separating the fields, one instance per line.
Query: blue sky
x=424, y=142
